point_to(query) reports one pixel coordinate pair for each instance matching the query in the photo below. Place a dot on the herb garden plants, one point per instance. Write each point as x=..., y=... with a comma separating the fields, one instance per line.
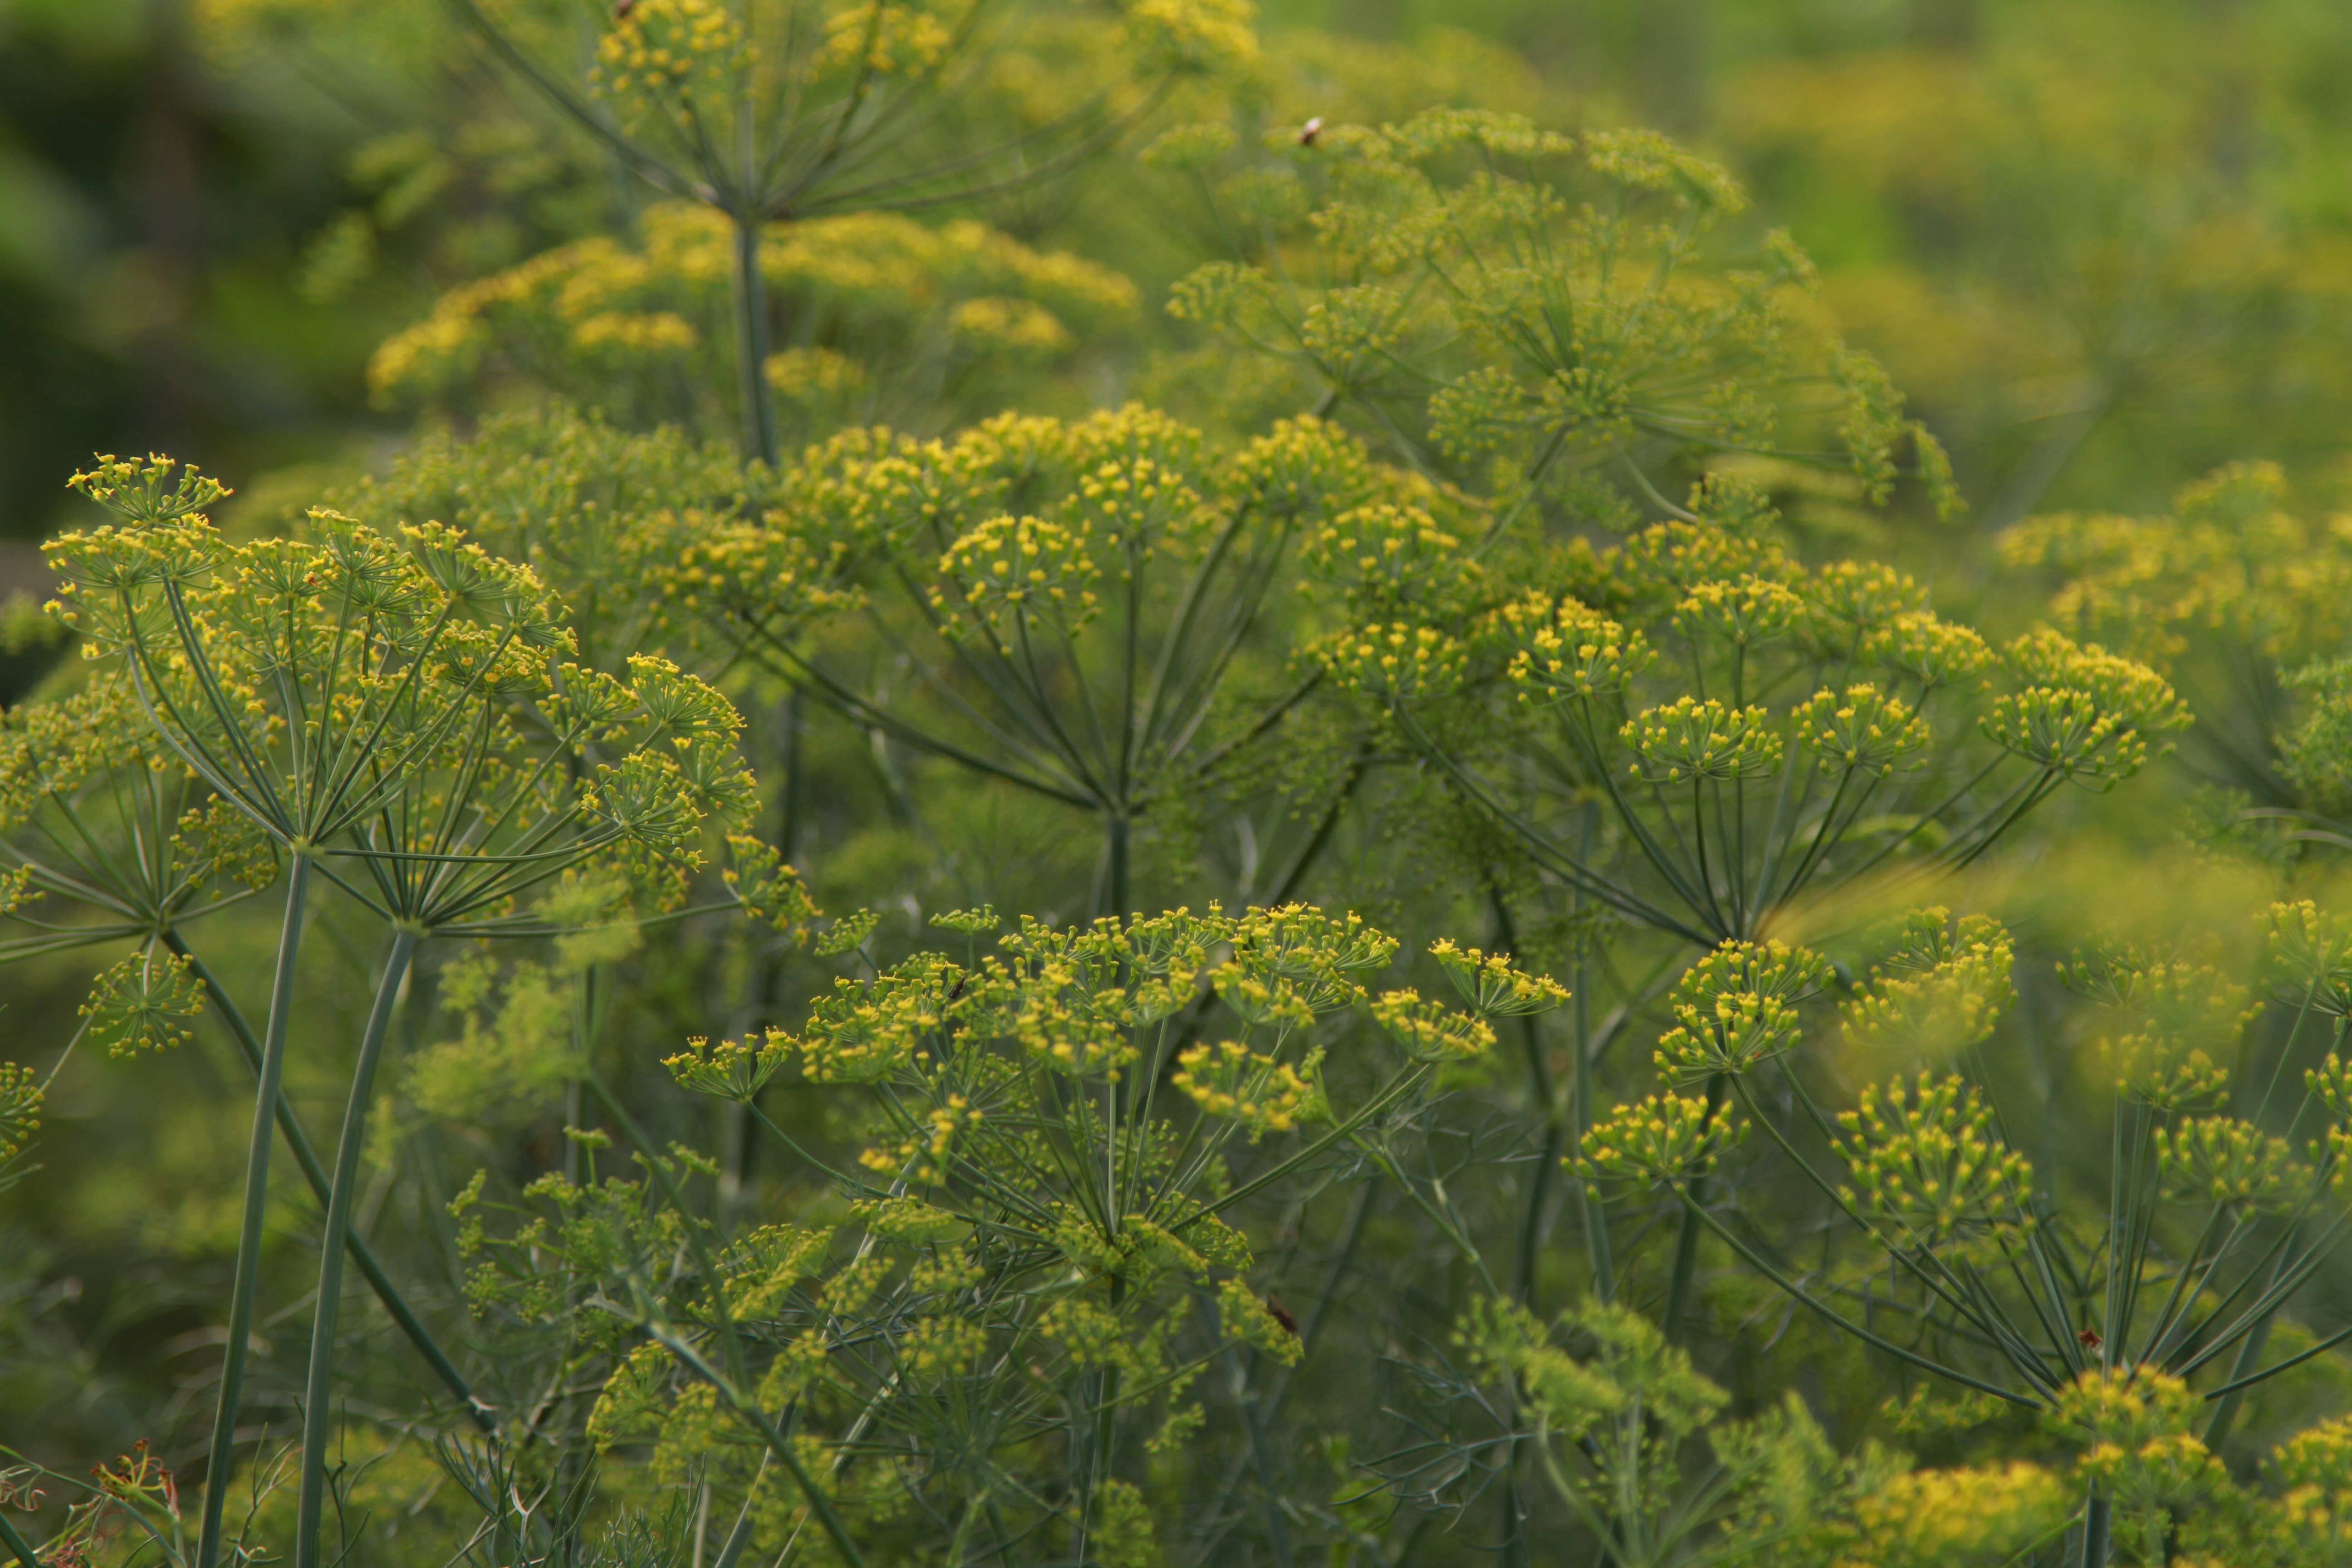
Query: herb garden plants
x=1358, y=920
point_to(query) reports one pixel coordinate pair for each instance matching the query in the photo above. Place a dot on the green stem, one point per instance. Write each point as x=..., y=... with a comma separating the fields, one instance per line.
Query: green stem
x=2250, y=1353
x=751, y=343
x=313, y=1173
x=1687, y=1237
x=219, y=1455
x=2096, y=1511
x=318, y=1415
x=1596, y=1216
x=1116, y=830
x=1105, y=1433
x=18, y=1547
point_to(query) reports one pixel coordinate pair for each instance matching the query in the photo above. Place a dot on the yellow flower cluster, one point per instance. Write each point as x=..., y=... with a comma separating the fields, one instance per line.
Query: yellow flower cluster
x=1992, y=1514
x=1022, y=328
x=1693, y=738
x=882, y=40
x=1928, y=1164
x=601, y=305
x=1390, y=663
x=1429, y=1032
x=1853, y=603
x=634, y=338
x=1935, y=652
x=1944, y=990
x=1661, y=1138
x=1232, y=1080
x=814, y=377
x=143, y=1003
x=1744, y=613
x=1388, y=550
x=20, y=1108
x=1138, y=499
x=1569, y=652
x=2139, y=1449
x=1646, y=160
x=155, y=490
x=2179, y=1018
x=2085, y=713
x=2309, y=958
x=1736, y=1008
x=1012, y=572
x=923, y=1155
x=2230, y=560
x=1192, y=37
x=659, y=51
x=770, y=891
x=1661, y=565
x=731, y=1069
x=2223, y=1161
x=1861, y=730
x=1493, y=985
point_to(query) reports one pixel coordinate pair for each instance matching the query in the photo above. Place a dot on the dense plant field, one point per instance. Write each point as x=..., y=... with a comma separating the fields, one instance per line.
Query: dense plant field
x=1098, y=785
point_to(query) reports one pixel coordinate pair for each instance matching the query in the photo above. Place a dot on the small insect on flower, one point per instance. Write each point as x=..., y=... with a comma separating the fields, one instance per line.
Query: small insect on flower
x=2089, y=1339
x=1311, y=130
x=1281, y=1315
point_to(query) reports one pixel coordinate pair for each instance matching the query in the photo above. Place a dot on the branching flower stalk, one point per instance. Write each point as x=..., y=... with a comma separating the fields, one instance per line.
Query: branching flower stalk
x=775, y=114
x=2211, y=1222
x=1488, y=297
x=1759, y=733
x=392, y=713
x=1038, y=1219
x=1079, y=603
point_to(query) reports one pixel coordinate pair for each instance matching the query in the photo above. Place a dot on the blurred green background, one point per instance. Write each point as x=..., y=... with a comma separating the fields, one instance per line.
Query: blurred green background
x=2104, y=244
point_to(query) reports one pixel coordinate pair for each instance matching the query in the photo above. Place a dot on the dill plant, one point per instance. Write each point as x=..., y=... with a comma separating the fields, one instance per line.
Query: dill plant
x=1011, y=1295
x=2234, y=596
x=1542, y=314
x=2138, y=1294
x=999, y=1336
x=389, y=714
x=771, y=116
x=1090, y=610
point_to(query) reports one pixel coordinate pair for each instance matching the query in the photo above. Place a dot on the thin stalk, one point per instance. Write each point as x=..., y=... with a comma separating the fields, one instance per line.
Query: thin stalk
x=1596, y=1215
x=2250, y=1353
x=220, y=1454
x=318, y=1417
x=1116, y=828
x=1546, y=1097
x=1861, y=1332
x=298, y=1143
x=1105, y=1436
x=1686, y=1236
x=751, y=343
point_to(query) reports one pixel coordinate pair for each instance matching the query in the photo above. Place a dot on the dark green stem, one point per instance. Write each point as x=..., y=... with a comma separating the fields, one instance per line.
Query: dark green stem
x=1687, y=1237
x=219, y=1458
x=18, y=1547
x=2250, y=1354
x=313, y=1173
x=751, y=343
x=1597, y=1258
x=2097, y=1513
x=318, y=1409
x=1116, y=829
